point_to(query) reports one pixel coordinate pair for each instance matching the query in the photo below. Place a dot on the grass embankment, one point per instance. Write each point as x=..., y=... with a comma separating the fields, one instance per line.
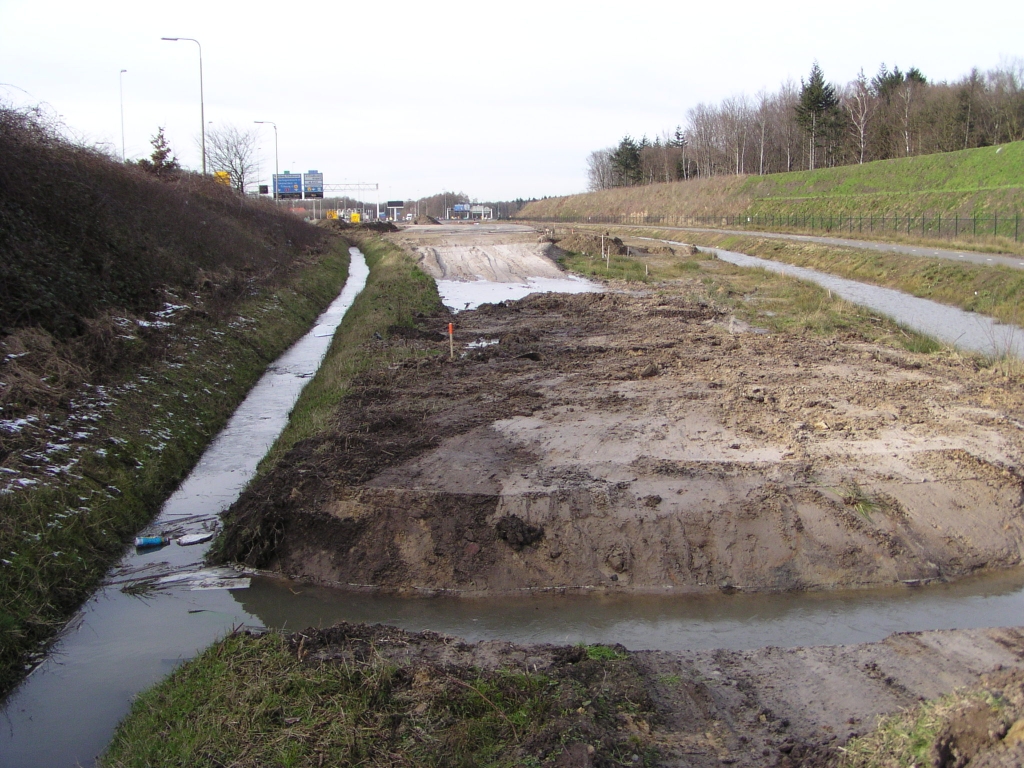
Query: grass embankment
x=397, y=294
x=135, y=313
x=282, y=701
x=766, y=299
x=986, y=182
x=58, y=539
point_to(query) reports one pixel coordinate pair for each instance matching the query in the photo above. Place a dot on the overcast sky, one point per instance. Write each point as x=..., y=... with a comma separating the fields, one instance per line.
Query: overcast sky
x=499, y=100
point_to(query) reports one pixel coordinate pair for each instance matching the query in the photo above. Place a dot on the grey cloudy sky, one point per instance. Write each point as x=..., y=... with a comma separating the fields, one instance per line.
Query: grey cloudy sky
x=500, y=100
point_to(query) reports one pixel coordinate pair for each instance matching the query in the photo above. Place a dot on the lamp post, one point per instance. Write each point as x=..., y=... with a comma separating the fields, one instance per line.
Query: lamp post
x=202, y=109
x=120, y=79
x=270, y=122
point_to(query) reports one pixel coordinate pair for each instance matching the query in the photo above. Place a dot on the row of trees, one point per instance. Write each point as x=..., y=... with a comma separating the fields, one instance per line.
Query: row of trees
x=817, y=123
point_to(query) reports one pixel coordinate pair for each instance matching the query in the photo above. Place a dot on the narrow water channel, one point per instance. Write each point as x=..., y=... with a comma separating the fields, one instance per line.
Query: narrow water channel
x=65, y=712
x=965, y=330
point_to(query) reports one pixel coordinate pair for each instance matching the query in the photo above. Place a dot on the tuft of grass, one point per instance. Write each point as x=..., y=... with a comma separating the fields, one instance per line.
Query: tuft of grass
x=605, y=653
x=627, y=268
x=861, y=501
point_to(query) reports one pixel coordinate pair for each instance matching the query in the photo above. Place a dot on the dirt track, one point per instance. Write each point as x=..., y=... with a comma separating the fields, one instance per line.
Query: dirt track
x=643, y=440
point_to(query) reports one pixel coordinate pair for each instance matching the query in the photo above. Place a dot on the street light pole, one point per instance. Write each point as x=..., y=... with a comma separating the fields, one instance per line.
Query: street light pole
x=276, y=172
x=120, y=79
x=202, y=109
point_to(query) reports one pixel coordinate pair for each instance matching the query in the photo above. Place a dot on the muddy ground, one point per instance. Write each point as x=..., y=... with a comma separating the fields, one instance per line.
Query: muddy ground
x=768, y=707
x=641, y=439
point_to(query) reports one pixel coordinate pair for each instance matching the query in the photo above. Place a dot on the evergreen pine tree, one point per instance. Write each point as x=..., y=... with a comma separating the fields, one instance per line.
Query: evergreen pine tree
x=626, y=165
x=817, y=111
x=162, y=162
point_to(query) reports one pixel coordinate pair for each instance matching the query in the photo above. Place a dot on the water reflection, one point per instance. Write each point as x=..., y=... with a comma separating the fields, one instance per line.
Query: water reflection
x=662, y=622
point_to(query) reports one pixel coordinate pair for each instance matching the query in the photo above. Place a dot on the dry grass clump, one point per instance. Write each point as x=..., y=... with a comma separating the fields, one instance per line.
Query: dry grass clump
x=979, y=725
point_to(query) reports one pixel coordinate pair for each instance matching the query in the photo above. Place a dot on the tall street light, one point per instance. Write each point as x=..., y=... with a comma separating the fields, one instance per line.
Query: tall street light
x=202, y=112
x=120, y=78
x=270, y=122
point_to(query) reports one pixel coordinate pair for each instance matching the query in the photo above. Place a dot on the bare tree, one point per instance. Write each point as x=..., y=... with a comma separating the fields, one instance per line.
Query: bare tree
x=232, y=151
x=762, y=117
x=600, y=174
x=1006, y=84
x=735, y=120
x=786, y=130
x=702, y=134
x=859, y=103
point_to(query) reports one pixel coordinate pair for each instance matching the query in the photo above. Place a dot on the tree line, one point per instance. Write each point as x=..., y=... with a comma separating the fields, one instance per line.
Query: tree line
x=820, y=124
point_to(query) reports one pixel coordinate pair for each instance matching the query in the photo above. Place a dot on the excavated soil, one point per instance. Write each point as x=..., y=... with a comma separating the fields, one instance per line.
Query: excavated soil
x=642, y=440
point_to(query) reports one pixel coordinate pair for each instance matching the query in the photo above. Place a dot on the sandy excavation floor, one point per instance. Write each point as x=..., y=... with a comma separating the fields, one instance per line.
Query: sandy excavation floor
x=638, y=440
x=500, y=253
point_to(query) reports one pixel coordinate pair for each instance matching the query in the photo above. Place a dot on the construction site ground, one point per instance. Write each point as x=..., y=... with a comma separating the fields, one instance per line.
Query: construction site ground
x=642, y=439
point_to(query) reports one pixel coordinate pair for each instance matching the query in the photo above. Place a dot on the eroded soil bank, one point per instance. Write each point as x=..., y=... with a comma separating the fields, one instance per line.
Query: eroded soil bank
x=641, y=439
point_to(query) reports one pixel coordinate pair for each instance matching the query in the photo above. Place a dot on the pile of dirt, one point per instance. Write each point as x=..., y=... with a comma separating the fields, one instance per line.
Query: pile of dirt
x=425, y=220
x=659, y=446
x=380, y=227
x=591, y=245
x=340, y=225
x=337, y=225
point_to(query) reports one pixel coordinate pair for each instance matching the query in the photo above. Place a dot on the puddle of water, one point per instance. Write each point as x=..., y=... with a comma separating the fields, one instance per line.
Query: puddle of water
x=965, y=330
x=65, y=712
x=480, y=343
x=659, y=622
x=461, y=295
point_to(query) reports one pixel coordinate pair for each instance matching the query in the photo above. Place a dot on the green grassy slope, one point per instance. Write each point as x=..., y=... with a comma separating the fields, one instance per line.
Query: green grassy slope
x=972, y=182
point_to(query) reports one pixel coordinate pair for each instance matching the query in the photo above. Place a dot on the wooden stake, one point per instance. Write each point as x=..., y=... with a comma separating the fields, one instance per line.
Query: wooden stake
x=451, y=340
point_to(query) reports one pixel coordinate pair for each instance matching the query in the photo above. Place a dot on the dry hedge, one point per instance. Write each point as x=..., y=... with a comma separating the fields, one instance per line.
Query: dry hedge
x=82, y=234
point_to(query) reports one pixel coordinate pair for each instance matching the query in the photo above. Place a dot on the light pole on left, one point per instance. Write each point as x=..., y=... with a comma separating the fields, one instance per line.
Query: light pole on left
x=120, y=78
x=202, y=111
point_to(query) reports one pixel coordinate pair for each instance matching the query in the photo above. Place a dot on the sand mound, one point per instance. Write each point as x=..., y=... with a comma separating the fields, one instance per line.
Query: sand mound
x=496, y=262
x=591, y=245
